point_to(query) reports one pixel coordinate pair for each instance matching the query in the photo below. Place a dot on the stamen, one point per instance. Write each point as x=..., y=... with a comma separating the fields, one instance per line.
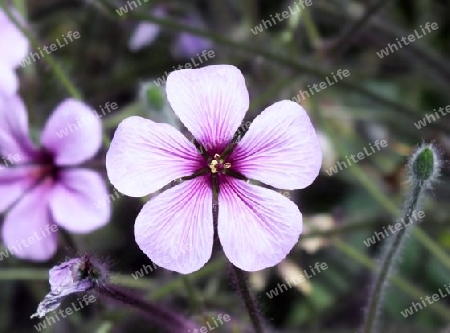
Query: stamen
x=213, y=166
x=218, y=164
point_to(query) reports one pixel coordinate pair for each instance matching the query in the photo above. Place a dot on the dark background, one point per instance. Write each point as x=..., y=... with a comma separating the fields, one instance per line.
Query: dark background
x=381, y=99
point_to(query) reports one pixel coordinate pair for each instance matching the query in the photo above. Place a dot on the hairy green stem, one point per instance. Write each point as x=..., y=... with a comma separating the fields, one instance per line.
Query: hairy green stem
x=238, y=275
x=388, y=263
x=164, y=318
x=402, y=284
x=158, y=292
x=378, y=195
x=242, y=285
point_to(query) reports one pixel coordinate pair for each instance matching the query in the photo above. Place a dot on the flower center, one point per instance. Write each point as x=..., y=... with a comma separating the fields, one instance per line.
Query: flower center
x=42, y=172
x=46, y=167
x=217, y=164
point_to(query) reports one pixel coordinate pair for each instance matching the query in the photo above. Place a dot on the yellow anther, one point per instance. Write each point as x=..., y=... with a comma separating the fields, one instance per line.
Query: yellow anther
x=218, y=162
x=212, y=166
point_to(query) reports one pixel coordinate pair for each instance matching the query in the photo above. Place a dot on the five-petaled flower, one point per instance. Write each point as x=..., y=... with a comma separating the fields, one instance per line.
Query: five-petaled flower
x=257, y=227
x=48, y=186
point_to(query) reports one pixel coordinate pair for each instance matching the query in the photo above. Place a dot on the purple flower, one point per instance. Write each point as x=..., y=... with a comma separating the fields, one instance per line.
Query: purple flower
x=74, y=276
x=45, y=187
x=146, y=33
x=186, y=44
x=84, y=275
x=14, y=48
x=257, y=227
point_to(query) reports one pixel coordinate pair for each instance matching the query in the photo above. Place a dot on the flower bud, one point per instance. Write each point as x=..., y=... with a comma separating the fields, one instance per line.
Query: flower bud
x=153, y=96
x=425, y=164
x=76, y=275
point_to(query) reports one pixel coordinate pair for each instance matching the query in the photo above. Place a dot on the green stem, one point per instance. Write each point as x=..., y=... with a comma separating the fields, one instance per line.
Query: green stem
x=418, y=233
x=158, y=292
x=192, y=294
x=270, y=92
x=105, y=327
x=164, y=318
x=238, y=275
x=354, y=28
x=435, y=63
x=433, y=59
x=23, y=274
x=20, y=6
x=373, y=190
x=311, y=29
x=388, y=263
x=338, y=230
x=297, y=64
x=397, y=281
x=55, y=67
x=177, y=283
x=242, y=286
x=347, y=227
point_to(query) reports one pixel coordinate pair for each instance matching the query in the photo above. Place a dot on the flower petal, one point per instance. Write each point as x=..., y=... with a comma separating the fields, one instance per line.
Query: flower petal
x=175, y=229
x=15, y=44
x=257, y=227
x=210, y=101
x=64, y=281
x=9, y=82
x=146, y=33
x=14, y=139
x=28, y=230
x=280, y=149
x=145, y=156
x=188, y=45
x=62, y=276
x=73, y=133
x=74, y=201
x=13, y=184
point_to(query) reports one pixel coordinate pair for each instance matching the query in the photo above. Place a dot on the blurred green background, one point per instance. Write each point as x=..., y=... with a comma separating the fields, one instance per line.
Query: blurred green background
x=381, y=99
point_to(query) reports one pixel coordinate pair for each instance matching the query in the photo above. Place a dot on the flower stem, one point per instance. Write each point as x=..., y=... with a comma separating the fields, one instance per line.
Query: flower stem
x=250, y=304
x=164, y=318
x=388, y=262
x=354, y=28
x=376, y=193
x=57, y=70
x=238, y=275
x=158, y=292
